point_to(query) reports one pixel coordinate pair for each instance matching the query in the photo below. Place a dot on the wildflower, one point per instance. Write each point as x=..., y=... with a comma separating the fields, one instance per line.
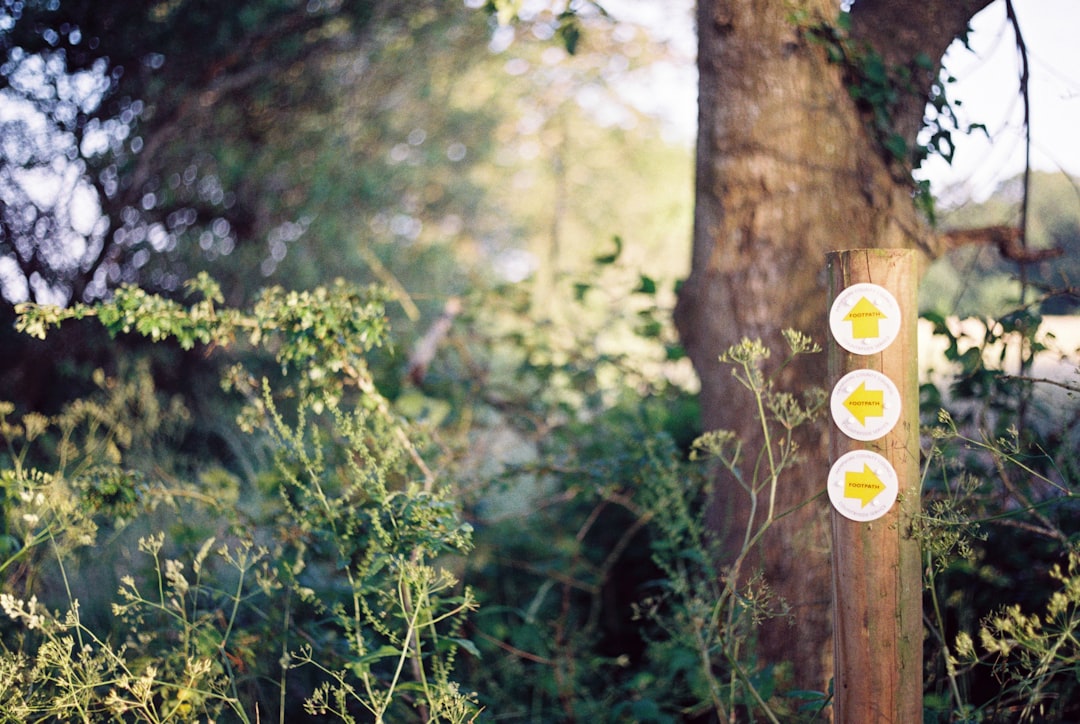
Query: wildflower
x=26, y=611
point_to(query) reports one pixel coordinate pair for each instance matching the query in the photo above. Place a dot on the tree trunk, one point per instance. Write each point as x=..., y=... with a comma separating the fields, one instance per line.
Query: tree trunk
x=787, y=169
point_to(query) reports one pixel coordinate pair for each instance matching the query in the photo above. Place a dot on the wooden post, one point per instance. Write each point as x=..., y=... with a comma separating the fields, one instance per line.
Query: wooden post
x=877, y=581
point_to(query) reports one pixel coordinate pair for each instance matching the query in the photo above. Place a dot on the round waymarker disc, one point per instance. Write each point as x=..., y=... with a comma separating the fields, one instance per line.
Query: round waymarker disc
x=865, y=405
x=864, y=318
x=862, y=485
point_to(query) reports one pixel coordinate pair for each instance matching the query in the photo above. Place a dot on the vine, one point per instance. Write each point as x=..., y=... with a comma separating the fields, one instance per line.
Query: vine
x=878, y=89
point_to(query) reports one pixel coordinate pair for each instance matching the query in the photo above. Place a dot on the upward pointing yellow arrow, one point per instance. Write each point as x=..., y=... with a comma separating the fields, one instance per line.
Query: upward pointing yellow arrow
x=864, y=318
x=864, y=403
x=865, y=485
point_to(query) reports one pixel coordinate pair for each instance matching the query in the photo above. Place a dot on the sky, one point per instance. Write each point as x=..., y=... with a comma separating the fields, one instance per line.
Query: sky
x=988, y=80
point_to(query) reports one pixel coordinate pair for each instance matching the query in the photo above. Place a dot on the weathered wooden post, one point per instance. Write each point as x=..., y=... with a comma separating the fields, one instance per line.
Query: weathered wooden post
x=874, y=486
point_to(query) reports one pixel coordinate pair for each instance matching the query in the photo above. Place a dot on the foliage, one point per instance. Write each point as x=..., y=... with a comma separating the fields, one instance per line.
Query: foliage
x=739, y=601
x=877, y=89
x=178, y=138
x=367, y=139
x=1000, y=490
x=95, y=85
x=344, y=548
x=328, y=583
x=603, y=600
x=1037, y=653
x=313, y=567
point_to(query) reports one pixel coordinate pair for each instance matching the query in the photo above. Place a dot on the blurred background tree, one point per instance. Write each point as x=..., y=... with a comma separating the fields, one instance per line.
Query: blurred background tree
x=284, y=142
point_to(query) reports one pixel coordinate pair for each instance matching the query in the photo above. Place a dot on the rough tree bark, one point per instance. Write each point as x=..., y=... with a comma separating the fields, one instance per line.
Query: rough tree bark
x=788, y=168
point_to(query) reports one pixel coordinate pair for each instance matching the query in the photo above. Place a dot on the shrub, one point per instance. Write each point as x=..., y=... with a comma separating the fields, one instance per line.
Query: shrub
x=327, y=590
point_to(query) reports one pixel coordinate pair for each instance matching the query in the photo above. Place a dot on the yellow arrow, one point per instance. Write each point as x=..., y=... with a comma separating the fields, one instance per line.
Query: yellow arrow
x=864, y=403
x=864, y=318
x=865, y=485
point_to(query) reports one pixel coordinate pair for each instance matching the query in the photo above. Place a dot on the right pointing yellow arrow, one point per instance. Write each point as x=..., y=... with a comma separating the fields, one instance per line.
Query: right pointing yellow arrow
x=865, y=485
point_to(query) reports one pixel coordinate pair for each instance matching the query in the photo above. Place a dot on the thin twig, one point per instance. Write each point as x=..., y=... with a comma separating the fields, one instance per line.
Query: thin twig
x=1043, y=380
x=1025, y=75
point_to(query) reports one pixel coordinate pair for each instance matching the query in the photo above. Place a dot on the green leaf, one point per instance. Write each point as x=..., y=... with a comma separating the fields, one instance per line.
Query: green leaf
x=938, y=320
x=646, y=286
x=806, y=695
x=873, y=69
x=383, y=652
x=411, y=686
x=674, y=352
x=648, y=326
x=9, y=546
x=467, y=645
x=570, y=33
x=612, y=257
x=924, y=61
x=970, y=361
x=897, y=146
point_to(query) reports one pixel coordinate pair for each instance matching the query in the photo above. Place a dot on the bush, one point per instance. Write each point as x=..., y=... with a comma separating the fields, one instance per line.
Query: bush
x=322, y=588
x=316, y=571
x=999, y=532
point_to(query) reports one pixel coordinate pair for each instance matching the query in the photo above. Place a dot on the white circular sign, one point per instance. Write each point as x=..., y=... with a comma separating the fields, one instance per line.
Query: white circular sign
x=864, y=318
x=862, y=485
x=865, y=405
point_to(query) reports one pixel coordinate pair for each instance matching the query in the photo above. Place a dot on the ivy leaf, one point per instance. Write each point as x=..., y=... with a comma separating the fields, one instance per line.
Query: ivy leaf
x=897, y=146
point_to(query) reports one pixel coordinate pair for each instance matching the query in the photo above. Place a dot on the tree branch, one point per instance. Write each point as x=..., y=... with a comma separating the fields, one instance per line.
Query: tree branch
x=1009, y=241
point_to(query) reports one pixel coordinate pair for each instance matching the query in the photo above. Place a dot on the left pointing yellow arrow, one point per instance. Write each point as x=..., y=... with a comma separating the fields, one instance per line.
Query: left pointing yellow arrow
x=865, y=485
x=864, y=403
